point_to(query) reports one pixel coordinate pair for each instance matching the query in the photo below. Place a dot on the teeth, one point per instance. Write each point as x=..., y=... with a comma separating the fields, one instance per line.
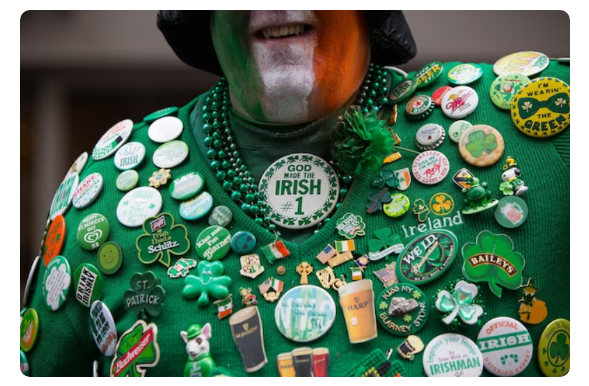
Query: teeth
x=277, y=32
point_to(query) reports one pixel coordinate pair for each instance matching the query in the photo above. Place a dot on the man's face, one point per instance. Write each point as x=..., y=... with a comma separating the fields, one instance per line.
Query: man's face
x=291, y=66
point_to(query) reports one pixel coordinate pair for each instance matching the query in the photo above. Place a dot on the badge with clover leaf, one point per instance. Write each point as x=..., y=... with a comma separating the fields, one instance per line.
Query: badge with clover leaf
x=209, y=282
x=493, y=260
x=137, y=350
x=460, y=302
x=146, y=295
x=384, y=243
x=479, y=143
x=161, y=239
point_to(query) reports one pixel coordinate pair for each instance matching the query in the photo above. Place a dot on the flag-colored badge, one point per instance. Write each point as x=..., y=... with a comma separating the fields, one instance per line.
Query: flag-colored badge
x=345, y=246
x=326, y=254
x=224, y=306
x=275, y=251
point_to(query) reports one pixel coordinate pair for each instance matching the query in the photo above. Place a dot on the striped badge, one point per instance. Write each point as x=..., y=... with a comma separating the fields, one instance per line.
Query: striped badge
x=345, y=246
x=225, y=306
x=326, y=254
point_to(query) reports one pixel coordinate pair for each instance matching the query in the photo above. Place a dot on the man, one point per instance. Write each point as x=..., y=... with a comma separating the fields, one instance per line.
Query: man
x=289, y=76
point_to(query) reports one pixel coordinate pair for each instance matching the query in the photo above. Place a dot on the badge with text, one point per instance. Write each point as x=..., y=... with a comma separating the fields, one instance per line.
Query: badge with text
x=186, y=186
x=542, y=108
x=93, y=231
x=29, y=329
x=504, y=88
x=162, y=239
x=103, y=328
x=113, y=139
x=213, y=243
x=430, y=167
x=398, y=206
x=492, y=259
x=350, y=226
x=383, y=244
x=129, y=156
x=63, y=196
x=146, y=295
x=427, y=257
x=54, y=240
x=402, y=309
x=181, y=268
x=506, y=346
x=170, y=154
x=452, y=355
x=136, y=351
x=77, y=166
x=196, y=207
x=526, y=62
x=554, y=348
x=138, y=205
x=88, y=284
x=56, y=283
x=300, y=190
x=250, y=266
x=87, y=191
x=428, y=74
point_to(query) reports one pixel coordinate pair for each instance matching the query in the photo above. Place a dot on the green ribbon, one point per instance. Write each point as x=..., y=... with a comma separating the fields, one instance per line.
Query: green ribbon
x=557, y=103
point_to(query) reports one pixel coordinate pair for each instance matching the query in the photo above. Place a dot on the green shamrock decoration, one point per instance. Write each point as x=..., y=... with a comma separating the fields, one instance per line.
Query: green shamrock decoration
x=385, y=178
x=480, y=142
x=161, y=239
x=145, y=355
x=559, y=349
x=376, y=199
x=208, y=282
x=420, y=209
x=146, y=294
x=384, y=239
x=460, y=303
x=493, y=260
x=509, y=359
x=506, y=188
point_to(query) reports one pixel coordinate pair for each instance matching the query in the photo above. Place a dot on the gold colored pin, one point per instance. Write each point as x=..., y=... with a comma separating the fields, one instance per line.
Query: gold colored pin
x=327, y=279
x=304, y=269
x=159, y=178
x=340, y=258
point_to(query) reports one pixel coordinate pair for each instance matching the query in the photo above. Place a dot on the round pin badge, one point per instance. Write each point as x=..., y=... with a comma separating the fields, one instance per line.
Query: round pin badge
x=109, y=258
x=456, y=129
x=103, y=328
x=441, y=204
x=56, y=283
x=196, y=207
x=511, y=212
x=24, y=364
x=29, y=285
x=402, y=309
x=93, y=231
x=403, y=90
x=138, y=205
x=481, y=145
x=430, y=167
x=506, y=346
x=165, y=129
x=221, y=216
x=554, y=348
x=88, y=284
x=243, y=242
x=129, y=156
x=54, y=240
x=87, y=191
x=427, y=257
x=78, y=165
x=439, y=94
x=398, y=206
x=113, y=139
x=64, y=196
x=305, y=313
x=429, y=74
x=170, y=154
x=459, y=102
x=452, y=355
x=465, y=73
x=504, y=88
x=213, y=243
x=541, y=108
x=419, y=107
x=299, y=190
x=186, y=186
x=29, y=329
x=160, y=114
x=526, y=63
x=127, y=180
x=430, y=136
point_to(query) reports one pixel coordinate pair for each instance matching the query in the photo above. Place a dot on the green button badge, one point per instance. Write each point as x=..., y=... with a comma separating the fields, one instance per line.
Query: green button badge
x=398, y=206
x=505, y=87
x=127, y=180
x=402, y=309
x=428, y=74
x=29, y=329
x=109, y=258
x=196, y=207
x=220, y=216
x=88, y=284
x=186, y=186
x=213, y=243
x=93, y=231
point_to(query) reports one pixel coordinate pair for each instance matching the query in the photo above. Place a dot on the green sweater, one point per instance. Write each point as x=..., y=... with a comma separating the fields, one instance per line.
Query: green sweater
x=65, y=345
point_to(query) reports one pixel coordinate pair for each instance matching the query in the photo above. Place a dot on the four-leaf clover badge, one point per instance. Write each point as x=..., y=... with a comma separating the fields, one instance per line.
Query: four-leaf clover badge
x=479, y=143
x=161, y=240
x=146, y=294
x=493, y=260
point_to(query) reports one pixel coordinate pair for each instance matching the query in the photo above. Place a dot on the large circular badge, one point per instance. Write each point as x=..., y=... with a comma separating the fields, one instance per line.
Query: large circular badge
x=300, y=190
x=103, y=328
x=138, y=205
x=525, y=63
x=503, y=89
x=213, y=243
x=554, y=349
x=56, y=283
x=165, y=129
x=77, y=166
x=114, y=138
x=55, y=239
x=402, y=309
x=88, y=190
x=427, y=257
x=398, y=206
x=459, y=102
x=129, y=156
x=506, y=346
x=511, y=212
x=170, y=154
x=64, y=196
x=465, y=73
x=428, y=74
x=196, y=207
x=452, y=355
x=403, y=91
x=305, y=313
x=542, y=108
x=481, y=145
x=93, y=231
x=186, y=186
x=430, y=167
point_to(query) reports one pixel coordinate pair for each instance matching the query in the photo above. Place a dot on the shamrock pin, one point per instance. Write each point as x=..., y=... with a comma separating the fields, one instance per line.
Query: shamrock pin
x=420, y=209
x=384, y=242
x=559, y=349
x=136, y=350
x=493, y=260
x=376, y=199
x=208, y=282
x=460, y=302
x=479, y=142
x=441, y=204
x=146, y=294
x=385, y=178
x=161, y=239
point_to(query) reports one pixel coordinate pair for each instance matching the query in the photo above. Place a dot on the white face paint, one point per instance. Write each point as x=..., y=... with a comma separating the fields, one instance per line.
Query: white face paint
x=286, y=67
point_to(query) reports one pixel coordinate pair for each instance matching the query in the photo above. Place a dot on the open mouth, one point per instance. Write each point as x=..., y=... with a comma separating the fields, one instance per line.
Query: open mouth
x=285, y=31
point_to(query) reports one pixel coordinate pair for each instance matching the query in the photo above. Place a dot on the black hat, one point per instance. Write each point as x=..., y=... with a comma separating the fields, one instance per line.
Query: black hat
x=189, y=35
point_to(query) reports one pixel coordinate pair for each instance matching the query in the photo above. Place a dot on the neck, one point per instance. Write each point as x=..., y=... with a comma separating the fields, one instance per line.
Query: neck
x=201, y=356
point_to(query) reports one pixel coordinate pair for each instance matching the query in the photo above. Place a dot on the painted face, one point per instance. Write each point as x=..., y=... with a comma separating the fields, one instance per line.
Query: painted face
x=291, y=66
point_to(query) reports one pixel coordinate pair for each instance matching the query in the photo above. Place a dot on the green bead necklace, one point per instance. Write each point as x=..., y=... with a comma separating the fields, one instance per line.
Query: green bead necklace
x=233, y=174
